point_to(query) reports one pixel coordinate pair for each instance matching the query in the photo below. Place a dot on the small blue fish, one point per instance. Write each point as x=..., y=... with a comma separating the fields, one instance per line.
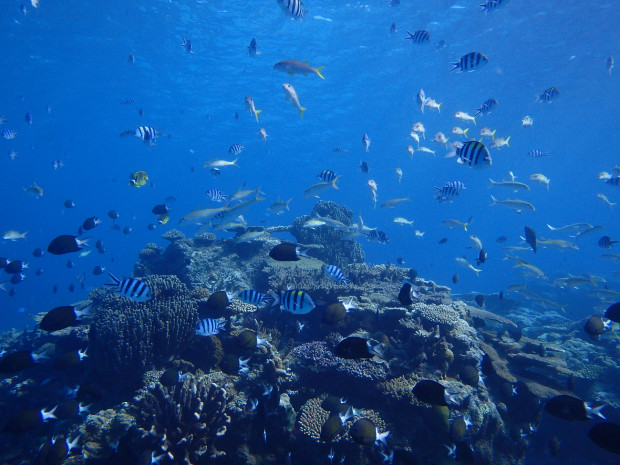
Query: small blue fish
x=210, y=326
x=28, y=118
x=537, y=153
x=548, y=95
x=487, y=107
x=252, y=48
x=336, y=274
x=492, y=5
x=364, y=167
x=419, y=37
x=327, y=176
x=187, y=45
x=9, y=134
x=216, y=195
x=131, y=288
x=293, y=7
x=613, y=181
x=470, y=62
x=236, y=149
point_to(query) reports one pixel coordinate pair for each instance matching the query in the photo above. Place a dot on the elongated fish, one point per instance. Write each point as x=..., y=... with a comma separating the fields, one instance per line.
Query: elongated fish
x=514, y=204
x=298, y=67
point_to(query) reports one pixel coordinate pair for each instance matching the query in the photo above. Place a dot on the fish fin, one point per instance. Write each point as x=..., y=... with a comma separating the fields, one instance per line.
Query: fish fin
x=474, y=119
x=301, y=111
x=507, y=141
x=456, y=66
x=115, y=279
x=318, y=72
x=335, y=181
x=465, y=132
x=439, y=107
x=495, y=201
x=256, y=112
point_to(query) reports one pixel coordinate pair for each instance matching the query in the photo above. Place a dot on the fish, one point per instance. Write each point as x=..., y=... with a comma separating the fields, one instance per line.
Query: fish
x=219, y=163
x=366, y=142
x=532, y=270
x=232, y=213
x=610, y=64
x=13, y=235
x=314, y=223
x=613, y=180
x=606, y=435
x=613, y=257
x=291, y=96
x=249, y=106
x=15, y=362
x=286, y=252
x=393, y=202
x=355, y=348
x=433, y=393
x=474, y=154
x=418, y=128
x=479, y=300
x=425, y=150
x=131, y=288
x=374, y=235
x=530, y=238
x=613, y=312
x=514, y=204
x=456, y=223
x=604, y=199
x=66, y=244
x=27, y=420
x=251, y=236
x=536, y=153
x=294, y=301
x=440, y=139
x=262, y=133
x=486, y=132
x=363, y=166
x=570, y=408
x=252, y=297
x=455, y=278
x=244, y=193
x=253, y=48
x=541, y=179
x=465, y=264
x=298, y=67
x=91, y=223
x=482, y=257
x=210, y=326
x=9, y=134
x=63, y=317
x=393, y=29
x=501, y=239
x=470, y=62
x=399, y=174
x=279, y=206
x=12, y=154
x=236, y=149
x=293, y=8
x=465, y=117
x=203, y=216
x=476, y=242
x=457, y=131
x=34, y=190
x=403, y=221
x=574, y=227
x=500, y=142
x=527, y=122
x=440, y=45
x=588, y=231
x=432, y=104
x=548, y=96
x=216, y=195
x=419, y=37
x=407, y=293
x=450, y=188
x=187, y=45
x=316, y=189
x=487, y=107
x=605, y=242
x=146, y=134
x=511, y=185
x=327, y=176
x=420, y=99
x=336, y=274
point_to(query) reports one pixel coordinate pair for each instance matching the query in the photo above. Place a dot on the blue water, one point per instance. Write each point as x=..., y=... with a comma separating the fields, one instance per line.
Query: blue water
x=71, y=56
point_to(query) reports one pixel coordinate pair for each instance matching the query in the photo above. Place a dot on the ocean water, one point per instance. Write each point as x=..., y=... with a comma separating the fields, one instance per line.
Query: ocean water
x=66, y=63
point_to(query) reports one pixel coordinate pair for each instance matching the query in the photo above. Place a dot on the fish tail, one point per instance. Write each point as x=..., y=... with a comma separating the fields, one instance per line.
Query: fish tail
x=318, y=72
x=465, y=132
x=234, y=162
x=493, y=133
x=114, y=278
x=334, y=185
x=455, y=66
x=439, y=107
x=256, y=112
x=507, y=141
x=301, y=111
x=474, y=120
x=495, y=202
x=287, y=202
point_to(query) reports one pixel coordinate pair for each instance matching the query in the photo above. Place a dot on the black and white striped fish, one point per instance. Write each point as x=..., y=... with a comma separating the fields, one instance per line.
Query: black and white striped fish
x=537, y=153
x=487, y=107
x=375, y=235
x=548, y=95
x=450, y=188
x=236, y=149
x=474, y=154
x=9, y=134
x=210, y=326
x=252, y=297
x=327, y=176
x=294, y=301
x=336, y=274
x=492, y=5
x=216, y=195
x=470, y=62
x=292, y=7
x=419, y=37
x=131, y=288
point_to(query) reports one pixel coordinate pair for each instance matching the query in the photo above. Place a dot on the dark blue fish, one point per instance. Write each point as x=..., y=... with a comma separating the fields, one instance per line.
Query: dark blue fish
x=449, y=189
x=187, y=45
x=336, y=274
x=470, y=62
x=252, y=297
x=613, y=181
x=474, y=154
x=131, y=288
x=252, y=48
x=419, y=37
x=210, y=327
x=548, y=95
x=236, y=149
x=28, y=118
x=487, y=107
x=492, y=5
x=364, y=167
x=292, y=7
x=326, y=176
x=501, y=239
x=377, y=236
x=393, y=28
x=537, y=153
x=605, y=242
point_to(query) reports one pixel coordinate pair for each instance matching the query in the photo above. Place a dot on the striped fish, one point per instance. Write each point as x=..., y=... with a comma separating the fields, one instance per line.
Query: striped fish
x=236, y=149
x=449, y=189
x=470, y=62
x=295, y=301
x=9, y=134
x=131, y=288
x=374, y=235
x=548, y=95
x=474, y=154
x=537, y=153
x=327, y=176
x=419, y=37
x=216, y=195
x=293, y=7
x=336, y=274
x=613, y=181
x=252, y=297
x=210, y=326
x=487, y=107
x=492, y=5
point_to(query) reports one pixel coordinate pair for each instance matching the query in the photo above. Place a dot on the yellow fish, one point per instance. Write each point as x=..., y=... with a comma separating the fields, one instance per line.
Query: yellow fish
x=138, y=179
